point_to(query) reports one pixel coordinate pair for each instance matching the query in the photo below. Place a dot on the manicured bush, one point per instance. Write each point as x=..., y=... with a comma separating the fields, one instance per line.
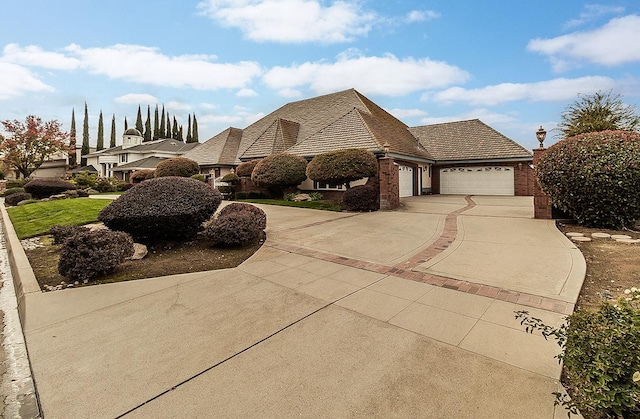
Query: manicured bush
x=230, y=178
x=261, y=217
x=199, y=177
x=342, y=166
x=252, y=195
x=61, y=233
x=11, y=191
x=361, y=198
x=237, y=228
x=13, y=199
x=85, y=180
x=140, y=175
x=124, y=186
x=278, y=171
x=104, y=184
x=177, y=166
x=245, y=169
x=44, y=188
x=86, y=255
x=18, y=183
x=170, y=207
x=594, y=177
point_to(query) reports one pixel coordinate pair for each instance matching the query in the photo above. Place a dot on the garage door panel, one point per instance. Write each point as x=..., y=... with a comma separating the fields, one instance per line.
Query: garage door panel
x=406, y=179
x=489, y=180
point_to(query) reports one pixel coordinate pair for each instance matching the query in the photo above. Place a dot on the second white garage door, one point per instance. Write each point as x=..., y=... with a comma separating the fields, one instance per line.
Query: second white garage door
x=489, y=180
x=405, y=175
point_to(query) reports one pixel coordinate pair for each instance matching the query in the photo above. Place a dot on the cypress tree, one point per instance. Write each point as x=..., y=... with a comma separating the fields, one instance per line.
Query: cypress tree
x=126, y=125
x=180, y=136
x=85, y=136
x=112, y=143
x=189, y=129
x=174, y=133
x=72, y=141
x=147, y=125
x=156, y=124
x=195, y=130
x=139, y=125
x=100, y=140
x=168, y=133
x=163, y=129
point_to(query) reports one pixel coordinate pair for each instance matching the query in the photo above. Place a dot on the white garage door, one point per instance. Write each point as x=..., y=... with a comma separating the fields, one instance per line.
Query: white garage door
x=406, y=180
x=489, y=180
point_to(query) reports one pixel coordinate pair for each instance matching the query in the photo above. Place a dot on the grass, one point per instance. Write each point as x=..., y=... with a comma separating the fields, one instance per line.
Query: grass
x=36, y=219
x=319, y=205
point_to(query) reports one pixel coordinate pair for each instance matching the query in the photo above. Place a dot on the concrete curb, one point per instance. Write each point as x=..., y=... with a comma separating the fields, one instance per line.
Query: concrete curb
x=24, y=279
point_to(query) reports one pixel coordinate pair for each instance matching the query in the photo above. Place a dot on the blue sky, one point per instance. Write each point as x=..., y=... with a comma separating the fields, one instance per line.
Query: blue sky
x=514, y=65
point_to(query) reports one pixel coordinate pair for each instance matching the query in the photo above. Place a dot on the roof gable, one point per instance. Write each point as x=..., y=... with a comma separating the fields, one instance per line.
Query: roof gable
x=220, y=149
x=278, y=137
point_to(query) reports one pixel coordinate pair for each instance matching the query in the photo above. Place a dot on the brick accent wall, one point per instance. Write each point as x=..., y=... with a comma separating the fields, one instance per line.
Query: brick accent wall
x=389, y=184
x=542, y=207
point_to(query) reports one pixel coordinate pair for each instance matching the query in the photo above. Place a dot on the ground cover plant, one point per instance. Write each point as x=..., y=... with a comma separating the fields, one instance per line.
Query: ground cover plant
x=319, y=205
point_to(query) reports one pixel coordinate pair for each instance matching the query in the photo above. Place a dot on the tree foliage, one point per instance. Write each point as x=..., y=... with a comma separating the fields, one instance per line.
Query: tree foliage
x=600, y=111
x=85, y=136
x=100, y=140
x=341, y=167
x=29, y=143
x=112, y=139
x=246, y=168
x=72, y=140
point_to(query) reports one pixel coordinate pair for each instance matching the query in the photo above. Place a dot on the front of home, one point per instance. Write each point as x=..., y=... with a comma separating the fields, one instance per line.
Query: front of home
x=466, y=157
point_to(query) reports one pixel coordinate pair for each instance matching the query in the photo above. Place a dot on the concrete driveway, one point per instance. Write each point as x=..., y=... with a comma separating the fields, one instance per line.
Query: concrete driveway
x=385, y=314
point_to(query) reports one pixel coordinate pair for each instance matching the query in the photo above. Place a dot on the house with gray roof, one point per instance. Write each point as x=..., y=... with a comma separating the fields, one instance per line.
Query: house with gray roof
x=424, y=156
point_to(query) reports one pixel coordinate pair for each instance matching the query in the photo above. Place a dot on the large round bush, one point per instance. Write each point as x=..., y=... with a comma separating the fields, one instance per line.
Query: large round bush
x=140, y=175
x=261, y=217
x=44, y=188
x=237, y=228
x=361, y=198
x=594, y=177
x=279, y=171
x=342, y=166
x=171, y=208
x=14, y=198
x=177, y=166
x=246, y=168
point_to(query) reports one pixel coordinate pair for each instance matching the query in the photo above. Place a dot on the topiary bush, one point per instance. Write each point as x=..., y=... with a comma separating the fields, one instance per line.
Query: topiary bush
x=199, y=177
x=13, y=199
x=140, y=175
x=11, y=191
x=86, y=255
x=594, y=177
x=260, y=215
x=361, y=198
x=245, y=169
x=278, y=171
x=230, y=178
x=234, y=229
x=177, y=166
x=62, y=232
x=172, y=208
x=342, y=166
x=44, y=188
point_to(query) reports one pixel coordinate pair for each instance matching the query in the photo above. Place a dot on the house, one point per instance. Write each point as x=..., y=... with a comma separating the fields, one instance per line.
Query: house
x=134, y=154
x=429, y=159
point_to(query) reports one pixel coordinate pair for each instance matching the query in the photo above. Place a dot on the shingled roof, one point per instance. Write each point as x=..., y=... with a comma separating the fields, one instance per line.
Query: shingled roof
x=221, y=149
x=468, y=140
x=167, y=145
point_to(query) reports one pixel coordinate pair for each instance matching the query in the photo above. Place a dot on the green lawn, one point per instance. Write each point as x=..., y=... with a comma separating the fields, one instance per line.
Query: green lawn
x=320, y=205
x=36, y=219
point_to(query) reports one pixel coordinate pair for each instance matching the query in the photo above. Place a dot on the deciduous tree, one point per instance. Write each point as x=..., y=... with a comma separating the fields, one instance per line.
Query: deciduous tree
x=29, y=143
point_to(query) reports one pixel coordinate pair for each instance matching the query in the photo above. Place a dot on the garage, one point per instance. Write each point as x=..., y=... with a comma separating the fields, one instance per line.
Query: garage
x=487, y=180
x=406, y=179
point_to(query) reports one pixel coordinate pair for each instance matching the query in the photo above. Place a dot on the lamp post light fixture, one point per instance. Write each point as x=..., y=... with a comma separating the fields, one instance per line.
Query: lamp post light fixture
x=386, y=149
x=541, y=134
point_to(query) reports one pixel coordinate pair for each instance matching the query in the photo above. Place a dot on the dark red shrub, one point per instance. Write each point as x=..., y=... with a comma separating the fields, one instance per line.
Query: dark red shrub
x=44, y=188
x=261, y=217
x=140, y=175
x=342, y=166
x=238, y=228
x=13, y=199
x=361, y=198
x=246, y=168
x=61, y=233
x=177, y=166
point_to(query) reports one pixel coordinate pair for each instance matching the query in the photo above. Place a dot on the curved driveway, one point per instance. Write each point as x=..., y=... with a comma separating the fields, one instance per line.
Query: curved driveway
x=385, y=314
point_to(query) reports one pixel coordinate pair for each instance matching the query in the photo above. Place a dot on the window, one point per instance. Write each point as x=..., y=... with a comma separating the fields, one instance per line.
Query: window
x=326, y=186
x=124, y=158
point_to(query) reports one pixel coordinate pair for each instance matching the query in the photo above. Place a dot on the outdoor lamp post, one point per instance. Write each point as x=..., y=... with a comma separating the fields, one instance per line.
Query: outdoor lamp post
x=386, y=149
x=541, y=134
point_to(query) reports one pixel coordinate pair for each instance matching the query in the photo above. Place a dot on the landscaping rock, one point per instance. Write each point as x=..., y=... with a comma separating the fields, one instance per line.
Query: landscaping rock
x=301, y=197
x=139, y=251
x=25, y=202
x=620, y=236
x=600, y=235
x=628, y=241
x=58, y=197
x=581, y=239
x=575, y=234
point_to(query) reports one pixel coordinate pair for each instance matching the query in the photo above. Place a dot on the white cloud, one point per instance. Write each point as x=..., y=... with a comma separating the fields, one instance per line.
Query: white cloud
x=386, y=75
x=291, y=21
x=32, y=55
x=137, y=98
x=612, y=44
x=483, y=114
x=552, y=90
x=289, y=92
x=246, y=93
x=17, y=80
x=422, y=15
x=591, y=12
x=174, y=106
x=407, y=113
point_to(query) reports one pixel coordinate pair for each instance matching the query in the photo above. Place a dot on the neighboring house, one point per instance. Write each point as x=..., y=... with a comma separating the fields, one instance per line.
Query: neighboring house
x=134, y=154
x=425, y=156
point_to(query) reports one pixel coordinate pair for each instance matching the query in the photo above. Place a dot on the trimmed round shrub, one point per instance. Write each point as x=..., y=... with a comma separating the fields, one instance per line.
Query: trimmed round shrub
x=280, y=170
x=199, y=177
x=13, y=199
x=594, y=177
x=86, y=255
x=140, y=175
x=61, y=233
x=44, y=188
x=245, y=169
x=238, y=228
x=177, y=166
x=261, y=217
x=361, y=198
x=342, y=166
x=11, y=191
x=230, y=178
x=171, y=208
